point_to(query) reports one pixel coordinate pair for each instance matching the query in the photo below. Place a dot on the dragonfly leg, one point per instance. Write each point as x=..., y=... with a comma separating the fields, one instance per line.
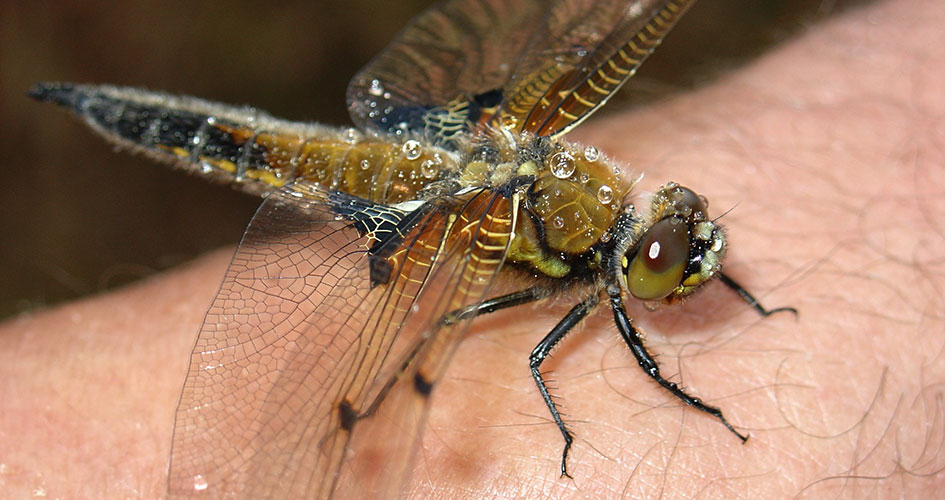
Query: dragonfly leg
x=423, y=386
x=649, y=365
x=494, y=304
x=750, y=299
x=542, y=350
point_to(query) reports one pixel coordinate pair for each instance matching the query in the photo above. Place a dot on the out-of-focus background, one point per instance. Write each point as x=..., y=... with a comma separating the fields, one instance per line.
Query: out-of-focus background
x=78, y=219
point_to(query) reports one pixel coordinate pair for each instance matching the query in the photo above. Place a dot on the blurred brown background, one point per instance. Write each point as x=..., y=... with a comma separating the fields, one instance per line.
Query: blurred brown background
x=78, y=218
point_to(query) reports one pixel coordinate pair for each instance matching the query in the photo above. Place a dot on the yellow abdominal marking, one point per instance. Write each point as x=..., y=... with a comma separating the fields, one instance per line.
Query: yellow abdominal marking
x=266, y=176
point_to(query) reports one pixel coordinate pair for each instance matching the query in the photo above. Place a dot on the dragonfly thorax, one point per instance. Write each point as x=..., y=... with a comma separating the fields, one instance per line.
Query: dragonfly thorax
x=572, y=197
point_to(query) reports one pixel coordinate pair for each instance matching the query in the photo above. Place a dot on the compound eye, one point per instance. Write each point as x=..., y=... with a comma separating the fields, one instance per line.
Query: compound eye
x=658, y=267
x=690, y=204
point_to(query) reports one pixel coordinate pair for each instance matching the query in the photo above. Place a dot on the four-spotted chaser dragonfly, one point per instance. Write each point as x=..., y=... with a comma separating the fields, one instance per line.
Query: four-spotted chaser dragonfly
x=375, y=246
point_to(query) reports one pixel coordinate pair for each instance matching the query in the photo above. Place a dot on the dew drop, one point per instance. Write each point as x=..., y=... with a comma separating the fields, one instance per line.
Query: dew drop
x=509, y=122
x=717, y=245
x=591, y=153
x=428, y=169
x=365, y=164
x=605, y=194
x=350, y=135
x=376, y=88
x=558, y=222
x=562, y=165
x=412, y=149
x=604, y=238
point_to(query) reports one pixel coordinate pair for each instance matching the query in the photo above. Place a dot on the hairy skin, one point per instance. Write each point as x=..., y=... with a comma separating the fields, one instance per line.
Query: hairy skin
x=830, y=154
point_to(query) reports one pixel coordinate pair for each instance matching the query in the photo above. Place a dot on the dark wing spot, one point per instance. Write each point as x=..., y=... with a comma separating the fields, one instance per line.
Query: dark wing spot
x=423, y=386
x=380, y=270
x=348, y=415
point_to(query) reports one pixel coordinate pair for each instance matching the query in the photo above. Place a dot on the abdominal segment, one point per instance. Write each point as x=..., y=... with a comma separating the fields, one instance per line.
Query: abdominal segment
x=247, y=147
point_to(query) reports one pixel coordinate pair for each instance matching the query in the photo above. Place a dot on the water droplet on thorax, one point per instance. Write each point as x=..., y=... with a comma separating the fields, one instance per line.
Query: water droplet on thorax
x=428, y=169
x=562, y=165
x=412, y=149
x=605, y=194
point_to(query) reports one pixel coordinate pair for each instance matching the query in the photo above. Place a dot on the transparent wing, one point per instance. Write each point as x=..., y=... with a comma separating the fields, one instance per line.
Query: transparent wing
x=446, y=68
x=544, y=65
x=309, y=376
x=583, y=53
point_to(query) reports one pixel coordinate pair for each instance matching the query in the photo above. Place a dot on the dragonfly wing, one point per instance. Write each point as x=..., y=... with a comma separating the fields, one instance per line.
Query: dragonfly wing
x=583, y=53
x=446, y=68
x=328, y=309
x=475, y=240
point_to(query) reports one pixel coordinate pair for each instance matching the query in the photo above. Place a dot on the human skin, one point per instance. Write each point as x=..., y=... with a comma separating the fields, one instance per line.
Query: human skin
x=827, y=156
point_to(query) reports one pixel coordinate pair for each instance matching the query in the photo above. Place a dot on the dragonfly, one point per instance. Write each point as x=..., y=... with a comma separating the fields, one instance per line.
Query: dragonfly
x=375, y=246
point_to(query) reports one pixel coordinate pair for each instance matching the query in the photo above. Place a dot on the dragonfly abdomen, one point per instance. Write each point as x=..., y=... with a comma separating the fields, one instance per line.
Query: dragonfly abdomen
x=250, y=148
x=368, y=166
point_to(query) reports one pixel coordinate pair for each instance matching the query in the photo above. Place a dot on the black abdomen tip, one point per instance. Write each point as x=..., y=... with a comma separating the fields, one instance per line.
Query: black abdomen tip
x=63, y=94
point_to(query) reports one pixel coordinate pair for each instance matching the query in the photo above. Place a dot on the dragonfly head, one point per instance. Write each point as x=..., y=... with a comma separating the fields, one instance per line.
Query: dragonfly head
x=678, y=253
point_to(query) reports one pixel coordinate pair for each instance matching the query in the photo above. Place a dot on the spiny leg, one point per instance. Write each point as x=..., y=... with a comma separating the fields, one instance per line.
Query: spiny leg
x=349, y=415
x=649, y=365
x=541, y=351
x=495, y=304
x=750, y=299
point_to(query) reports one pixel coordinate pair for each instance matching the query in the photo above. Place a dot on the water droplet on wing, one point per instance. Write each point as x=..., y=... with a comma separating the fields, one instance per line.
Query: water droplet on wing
x=376, y=88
